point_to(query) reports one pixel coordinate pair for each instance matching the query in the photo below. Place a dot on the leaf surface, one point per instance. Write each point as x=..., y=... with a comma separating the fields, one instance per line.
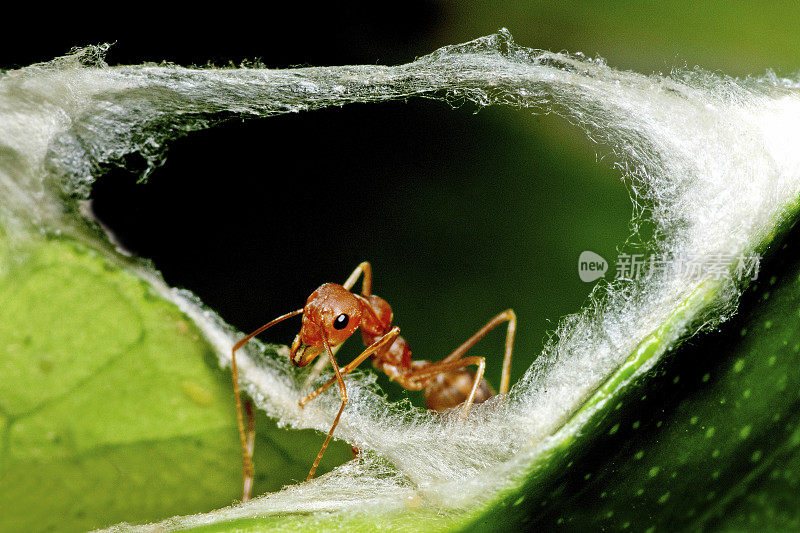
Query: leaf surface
x=112, y=407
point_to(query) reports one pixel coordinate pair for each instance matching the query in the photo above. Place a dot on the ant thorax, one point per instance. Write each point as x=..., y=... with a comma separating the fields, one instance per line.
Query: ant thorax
x=376, y=319
x=395, y=359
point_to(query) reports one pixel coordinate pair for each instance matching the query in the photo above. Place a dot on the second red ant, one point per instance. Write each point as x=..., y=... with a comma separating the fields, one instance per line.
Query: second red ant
x=331, y=315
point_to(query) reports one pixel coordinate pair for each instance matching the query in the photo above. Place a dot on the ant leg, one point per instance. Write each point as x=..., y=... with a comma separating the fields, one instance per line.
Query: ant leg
x=247, y=459
x=247, y=449
x=317, y=369
x=247, y=485
x=366, y=285
x=377, y=345
x=343, y=395
x=507, y=315
x=443, y=367
x=371, y=349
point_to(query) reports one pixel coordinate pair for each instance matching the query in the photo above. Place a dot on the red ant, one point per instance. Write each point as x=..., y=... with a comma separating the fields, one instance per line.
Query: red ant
x=331, y=315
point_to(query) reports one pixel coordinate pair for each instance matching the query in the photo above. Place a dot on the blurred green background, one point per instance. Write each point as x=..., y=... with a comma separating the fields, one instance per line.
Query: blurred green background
x=462, y=214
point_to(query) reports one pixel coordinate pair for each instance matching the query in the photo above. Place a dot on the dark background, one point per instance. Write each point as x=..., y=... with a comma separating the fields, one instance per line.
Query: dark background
x=461, y=214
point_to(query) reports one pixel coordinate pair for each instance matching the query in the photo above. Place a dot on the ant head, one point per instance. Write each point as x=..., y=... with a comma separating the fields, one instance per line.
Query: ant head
x=331, y=313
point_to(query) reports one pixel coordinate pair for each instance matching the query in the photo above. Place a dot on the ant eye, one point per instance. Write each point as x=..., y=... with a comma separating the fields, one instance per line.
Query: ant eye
x=341, y=321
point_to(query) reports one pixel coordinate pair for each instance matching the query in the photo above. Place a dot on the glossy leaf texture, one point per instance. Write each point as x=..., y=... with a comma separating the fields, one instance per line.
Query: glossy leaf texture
x=708, y=439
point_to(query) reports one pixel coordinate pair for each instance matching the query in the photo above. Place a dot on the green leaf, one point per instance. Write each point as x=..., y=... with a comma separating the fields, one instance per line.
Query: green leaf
x=682, y=447
x=708, y=438
x=112, y=406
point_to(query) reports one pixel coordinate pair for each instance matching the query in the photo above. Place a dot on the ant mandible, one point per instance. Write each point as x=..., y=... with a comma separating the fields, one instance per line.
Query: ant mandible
x=331, y=315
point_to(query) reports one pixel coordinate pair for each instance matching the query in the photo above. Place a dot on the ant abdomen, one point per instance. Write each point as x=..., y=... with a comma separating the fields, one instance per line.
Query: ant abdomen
x=451, y=389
